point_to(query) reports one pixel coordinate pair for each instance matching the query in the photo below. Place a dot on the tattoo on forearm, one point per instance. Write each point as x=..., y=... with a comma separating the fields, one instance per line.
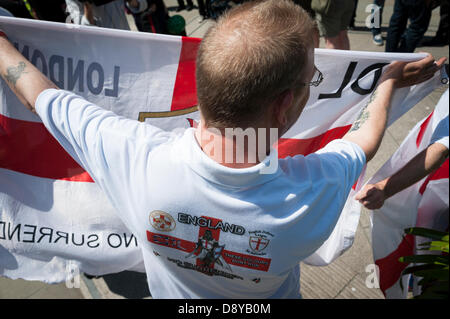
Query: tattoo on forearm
x=365, y=114
x=13, y=73
x=360, y=121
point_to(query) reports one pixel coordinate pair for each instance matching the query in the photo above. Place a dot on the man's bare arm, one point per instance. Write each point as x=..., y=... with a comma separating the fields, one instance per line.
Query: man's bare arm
x=24, y=79
x=373, y=196
x=368, y=129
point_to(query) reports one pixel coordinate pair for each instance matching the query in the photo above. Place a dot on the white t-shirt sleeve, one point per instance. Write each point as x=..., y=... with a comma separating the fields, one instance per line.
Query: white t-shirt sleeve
x=103, y=143
x=342, y=161
x=325, y=181
x=441, y=133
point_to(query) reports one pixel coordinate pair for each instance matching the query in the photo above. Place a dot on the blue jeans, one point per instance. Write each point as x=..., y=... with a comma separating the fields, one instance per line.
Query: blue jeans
x=380, y=4
x=400, y=39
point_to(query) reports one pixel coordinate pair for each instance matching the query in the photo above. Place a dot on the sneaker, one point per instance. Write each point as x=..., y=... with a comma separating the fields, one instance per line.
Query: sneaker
x=378, y=40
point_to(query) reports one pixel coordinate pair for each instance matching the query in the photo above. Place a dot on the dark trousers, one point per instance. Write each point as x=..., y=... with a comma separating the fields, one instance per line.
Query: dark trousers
x=50, y=10
x=181, y=3
x=400, y=39
x=442, y=32
x=155, y=22
x=306, y=5
x=352, y=21
x=16, y=8
x=377, y=30
x=202, y=8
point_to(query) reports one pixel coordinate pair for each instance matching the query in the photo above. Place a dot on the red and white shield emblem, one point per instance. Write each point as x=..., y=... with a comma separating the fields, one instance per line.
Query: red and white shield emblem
x=162, y=221
x=258, y=243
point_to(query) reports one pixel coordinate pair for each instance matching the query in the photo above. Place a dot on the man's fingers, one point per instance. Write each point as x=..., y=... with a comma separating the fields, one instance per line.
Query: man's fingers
x=426, y=77
x=436, y=65
x=427, y=70
x=425, y=62
x=373, y=201
x=367, y=204
x=368, y=194
x=371, y=198
x=441, y=62
x=373, y=205
x=361, y=194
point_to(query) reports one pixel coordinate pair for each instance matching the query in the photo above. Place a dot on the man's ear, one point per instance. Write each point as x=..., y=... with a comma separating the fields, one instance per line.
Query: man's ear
x=281, y=107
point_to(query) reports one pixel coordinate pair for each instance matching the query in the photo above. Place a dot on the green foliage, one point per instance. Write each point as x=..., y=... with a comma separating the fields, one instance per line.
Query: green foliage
x=433, y=268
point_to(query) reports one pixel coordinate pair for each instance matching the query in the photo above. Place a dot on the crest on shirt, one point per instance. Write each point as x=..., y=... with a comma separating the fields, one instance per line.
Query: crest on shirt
x=208, y=252
x=258, y=242
x=162, y=221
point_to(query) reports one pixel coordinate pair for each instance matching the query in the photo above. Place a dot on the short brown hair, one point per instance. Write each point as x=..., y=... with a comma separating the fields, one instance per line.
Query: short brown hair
x=255, y=51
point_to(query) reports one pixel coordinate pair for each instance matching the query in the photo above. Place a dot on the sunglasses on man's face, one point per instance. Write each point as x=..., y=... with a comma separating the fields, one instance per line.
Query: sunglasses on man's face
x=317, y=78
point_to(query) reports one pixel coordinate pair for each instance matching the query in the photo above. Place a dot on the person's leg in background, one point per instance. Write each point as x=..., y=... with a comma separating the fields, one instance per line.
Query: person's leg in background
x=397, y=25
x=17, y=9
x=160, y=17
x=182, y=6
x=208, y=8
x=419, y=15
x=49, y=10
x=306, y=5
x=202, y=10
x=347, y=16
x=330, y=34
x=341, y=41
x=442, y=37
x=334, y=24
x=190, y=5
x=345, y=41
x=352, y=21
x=378, y=20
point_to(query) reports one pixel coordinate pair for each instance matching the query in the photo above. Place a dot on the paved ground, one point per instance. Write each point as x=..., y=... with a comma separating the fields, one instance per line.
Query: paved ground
x=343, y=279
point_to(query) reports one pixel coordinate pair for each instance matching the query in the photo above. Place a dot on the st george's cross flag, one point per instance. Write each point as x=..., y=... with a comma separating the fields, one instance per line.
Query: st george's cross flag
x=424, y=204
x=53, y=216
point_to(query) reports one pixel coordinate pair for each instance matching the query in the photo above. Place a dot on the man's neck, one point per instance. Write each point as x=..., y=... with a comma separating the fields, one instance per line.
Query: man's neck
x=235, y=147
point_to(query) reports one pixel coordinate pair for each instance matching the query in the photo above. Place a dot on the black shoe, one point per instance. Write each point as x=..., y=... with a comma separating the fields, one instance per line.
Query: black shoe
x=180, y=8
x=189, y=7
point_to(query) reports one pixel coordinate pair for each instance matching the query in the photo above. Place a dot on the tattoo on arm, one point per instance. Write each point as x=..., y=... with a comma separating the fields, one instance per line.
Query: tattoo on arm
x=13, y=73
x=364, y=114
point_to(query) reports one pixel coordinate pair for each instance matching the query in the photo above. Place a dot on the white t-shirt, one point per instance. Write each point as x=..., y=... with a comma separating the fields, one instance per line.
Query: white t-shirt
x=206, y=230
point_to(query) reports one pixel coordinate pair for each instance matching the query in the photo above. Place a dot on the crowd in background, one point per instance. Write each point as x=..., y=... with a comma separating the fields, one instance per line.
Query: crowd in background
x=149, y=15
x=333, y=17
